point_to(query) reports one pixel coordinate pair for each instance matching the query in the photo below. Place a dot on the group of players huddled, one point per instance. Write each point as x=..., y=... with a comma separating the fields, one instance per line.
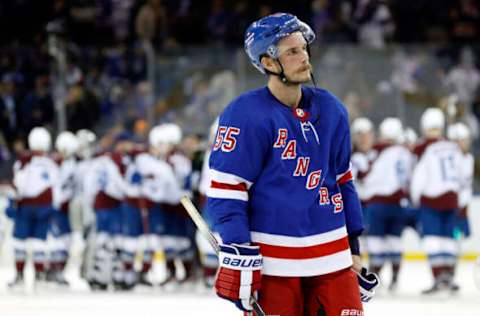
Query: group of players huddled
x=134, y=190
x=424, y=183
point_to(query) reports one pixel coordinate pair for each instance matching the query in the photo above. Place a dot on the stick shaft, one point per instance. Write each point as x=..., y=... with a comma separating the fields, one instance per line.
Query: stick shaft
x=207, y=233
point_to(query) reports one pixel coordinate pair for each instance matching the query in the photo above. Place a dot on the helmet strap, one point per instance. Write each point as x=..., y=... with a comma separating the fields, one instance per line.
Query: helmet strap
x=313, y=79
x=282, y=75
x=311, y=72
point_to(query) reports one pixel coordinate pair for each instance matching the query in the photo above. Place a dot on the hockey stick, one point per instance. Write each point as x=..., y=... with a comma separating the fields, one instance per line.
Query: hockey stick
x=207, y=233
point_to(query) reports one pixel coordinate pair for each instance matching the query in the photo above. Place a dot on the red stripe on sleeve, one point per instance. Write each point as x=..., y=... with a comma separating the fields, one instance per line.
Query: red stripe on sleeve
x=227, y=186
x=345, y=178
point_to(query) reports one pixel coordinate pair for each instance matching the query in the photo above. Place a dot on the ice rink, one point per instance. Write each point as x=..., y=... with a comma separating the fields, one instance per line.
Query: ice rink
x=79, y=301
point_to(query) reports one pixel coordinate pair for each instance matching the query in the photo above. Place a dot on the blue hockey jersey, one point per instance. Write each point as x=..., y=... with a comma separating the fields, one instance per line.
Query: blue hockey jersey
x=281, y=179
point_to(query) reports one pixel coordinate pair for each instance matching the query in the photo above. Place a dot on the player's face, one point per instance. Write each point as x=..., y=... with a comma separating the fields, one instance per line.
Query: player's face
x=161, y=150
x=364, y=141
x=294, y=58
x=464, y=145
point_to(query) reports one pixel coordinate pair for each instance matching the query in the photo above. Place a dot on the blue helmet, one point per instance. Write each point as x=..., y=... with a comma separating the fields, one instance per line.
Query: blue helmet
x=263, y=35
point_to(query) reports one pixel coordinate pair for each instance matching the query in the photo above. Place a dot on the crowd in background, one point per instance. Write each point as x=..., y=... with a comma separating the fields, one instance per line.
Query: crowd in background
x=172, y=22
x=106, y=71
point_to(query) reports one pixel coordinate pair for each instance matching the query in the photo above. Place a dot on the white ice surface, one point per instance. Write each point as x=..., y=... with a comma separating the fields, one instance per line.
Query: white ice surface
x=78, y=300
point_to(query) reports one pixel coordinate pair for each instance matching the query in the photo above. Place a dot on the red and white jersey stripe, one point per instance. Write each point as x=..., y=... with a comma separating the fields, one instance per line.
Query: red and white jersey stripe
x=346, y=176
x=304, y=256
x=228, y=186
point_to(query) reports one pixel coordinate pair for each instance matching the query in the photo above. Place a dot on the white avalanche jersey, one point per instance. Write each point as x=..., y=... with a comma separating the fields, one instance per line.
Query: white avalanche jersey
x=390, y=172
x=361, y=163
x=103, y=183
x=436, y=177
x=64, y=190
x=35, y=175
x=182, y=167
x=156, y=181
x=466, y=181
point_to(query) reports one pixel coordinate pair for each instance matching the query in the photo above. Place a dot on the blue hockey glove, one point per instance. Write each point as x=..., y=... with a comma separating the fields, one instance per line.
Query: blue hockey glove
x=136, y=178
x=11, y=209
x=367, y=282
x=239, y=275
x=461, y=222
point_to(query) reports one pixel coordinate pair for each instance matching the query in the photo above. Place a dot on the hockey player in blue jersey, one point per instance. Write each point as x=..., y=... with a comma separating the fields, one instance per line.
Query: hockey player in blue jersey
x=281, y=194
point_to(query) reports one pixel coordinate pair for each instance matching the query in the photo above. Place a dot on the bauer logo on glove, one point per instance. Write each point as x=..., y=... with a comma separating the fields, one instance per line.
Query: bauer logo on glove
x=239, y=275
x=241, y=263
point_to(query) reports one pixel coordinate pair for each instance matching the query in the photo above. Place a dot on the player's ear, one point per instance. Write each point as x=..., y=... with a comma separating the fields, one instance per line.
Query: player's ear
x=269, y=64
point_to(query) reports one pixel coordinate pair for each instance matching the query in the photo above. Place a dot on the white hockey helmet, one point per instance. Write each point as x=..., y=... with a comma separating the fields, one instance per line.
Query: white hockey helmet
x=361, y=125
x=458, y=131
x=432, y=118
x=86, y=139
x=155, y=137
x=66, y=143
x=391, y=129
x=173, y=133
x=168, y=133
x=410, y=136
x=39, y=139
x=163, y=137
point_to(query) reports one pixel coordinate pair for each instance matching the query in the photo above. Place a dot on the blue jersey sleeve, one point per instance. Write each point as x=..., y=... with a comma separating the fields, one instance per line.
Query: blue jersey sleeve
x=351, y=202
x=236, y=160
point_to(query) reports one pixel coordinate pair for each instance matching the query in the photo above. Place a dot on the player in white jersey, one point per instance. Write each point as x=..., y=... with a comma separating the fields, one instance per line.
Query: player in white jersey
x=386, y=187
x=460, y=134
x=435, y=187
x=179, y=231
x=363, y=138
x=35, y=175
x=410, y=139
x=104, y=189
x=151, y=184
x=7, y=191
x=66, y=145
